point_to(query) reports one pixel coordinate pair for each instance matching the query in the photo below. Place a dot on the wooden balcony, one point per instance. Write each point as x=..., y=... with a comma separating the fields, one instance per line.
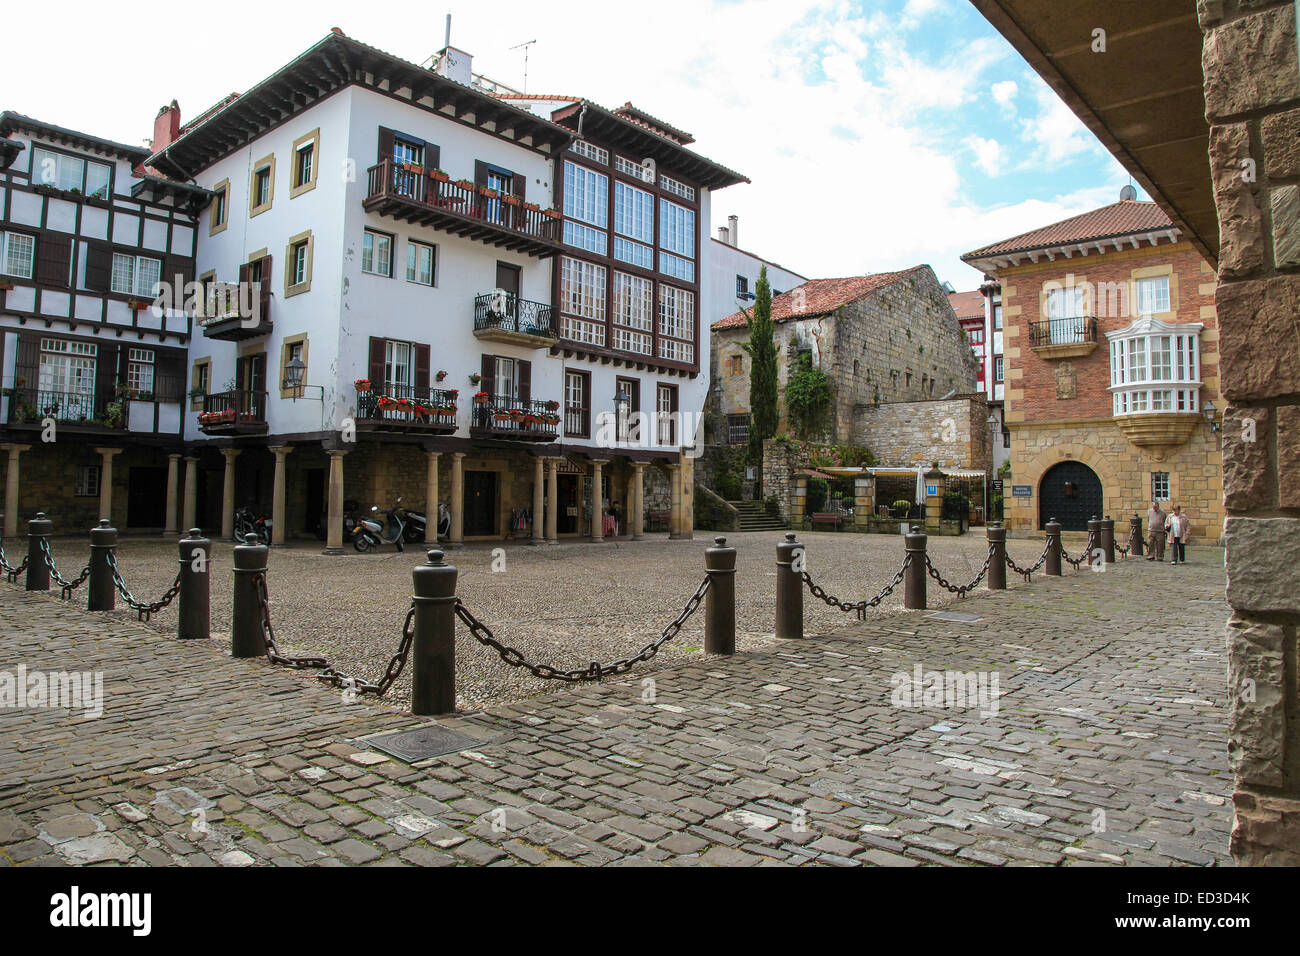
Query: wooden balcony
x=230, y=324
x=459, y=208
x=502, y=317
x=513, y=420
x=241, y=412
x=1063, y=338
x=407, y=408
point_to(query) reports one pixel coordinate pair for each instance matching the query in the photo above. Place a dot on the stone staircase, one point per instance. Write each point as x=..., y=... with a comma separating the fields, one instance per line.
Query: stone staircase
x=754, y=517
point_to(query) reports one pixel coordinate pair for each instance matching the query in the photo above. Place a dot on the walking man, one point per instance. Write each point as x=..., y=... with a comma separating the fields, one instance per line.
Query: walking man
x=1155, y=532
x=1178, y=525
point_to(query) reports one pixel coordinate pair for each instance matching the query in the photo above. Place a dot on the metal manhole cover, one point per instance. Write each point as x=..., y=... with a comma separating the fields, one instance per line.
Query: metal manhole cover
x=954, y=616
x=423, y=743
x=1047, y=681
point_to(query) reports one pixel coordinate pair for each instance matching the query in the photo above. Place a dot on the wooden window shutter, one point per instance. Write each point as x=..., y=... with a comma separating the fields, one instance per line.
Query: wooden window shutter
x=106, y=371
x=378, y=348
x=53, y=260
x=525, y=382
x=99, y=267
x=266, y=288
x=489, y=374
x=421, y=367
x=480, y=172
x=386, y=140
x=245, y=273
x=586, y=405
x=28, y=360
x=432, y=156
x=519, y=185
x=170, y=379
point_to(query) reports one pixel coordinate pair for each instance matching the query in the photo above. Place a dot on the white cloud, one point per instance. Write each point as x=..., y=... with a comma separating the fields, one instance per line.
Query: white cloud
x=1055, y=133
x=1005, y=92
x=989, y=154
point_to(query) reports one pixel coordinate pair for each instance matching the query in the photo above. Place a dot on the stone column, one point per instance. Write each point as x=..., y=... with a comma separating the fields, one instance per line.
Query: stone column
x=190, y=504
x=431, y=497
x=1252, y=97
x=106, y=481
x=539, y=506
x=457, y=499
x=279, y=524
x=637, y=514
x=552, y=500
x=11, y=489
x=228, y=494
x=173, y=490
x=597, y=519
x=687, y=525
x=675, y=508
x=334, y=519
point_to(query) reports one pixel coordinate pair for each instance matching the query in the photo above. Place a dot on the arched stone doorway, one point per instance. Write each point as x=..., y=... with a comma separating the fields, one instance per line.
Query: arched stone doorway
x=1070, y=492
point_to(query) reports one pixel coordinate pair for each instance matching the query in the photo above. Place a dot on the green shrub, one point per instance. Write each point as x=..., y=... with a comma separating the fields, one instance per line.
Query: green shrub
x=816, y=498
x=955, y=505
x=902, y=504
x=730, y=482
x=773, y=506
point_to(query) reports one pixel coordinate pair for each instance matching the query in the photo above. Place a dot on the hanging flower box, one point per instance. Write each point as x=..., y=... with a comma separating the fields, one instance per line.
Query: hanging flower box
x=551, y=213
x=481, y=398
x=137, y=305
x=451, y=393
x=552, y=419
x=412, y=167
x=466, y=184
x=447, y=410
x=439, y=175
x=511, y=200
x=502, y=416
x=442, y=373
x=5, y=285
x=532, y=207
x=553, y=406
x=362, y=384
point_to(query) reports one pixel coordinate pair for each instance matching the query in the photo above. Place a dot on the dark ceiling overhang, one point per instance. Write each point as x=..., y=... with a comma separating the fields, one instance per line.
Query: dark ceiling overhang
x=9, y=150
x=1143, y=97
x=156, y=189
x=11, y=122
x=332, y=64
x=608, y=127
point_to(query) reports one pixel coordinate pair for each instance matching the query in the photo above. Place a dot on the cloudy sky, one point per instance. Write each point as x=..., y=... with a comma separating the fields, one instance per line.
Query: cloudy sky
x=878, y=134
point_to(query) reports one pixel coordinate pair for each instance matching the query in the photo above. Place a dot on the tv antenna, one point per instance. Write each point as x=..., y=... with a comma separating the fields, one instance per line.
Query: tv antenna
x=524, y=46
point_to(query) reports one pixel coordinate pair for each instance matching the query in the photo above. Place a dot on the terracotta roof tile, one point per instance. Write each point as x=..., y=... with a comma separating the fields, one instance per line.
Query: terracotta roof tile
x=819, y=297
x=1118, y=219
x=967, y=305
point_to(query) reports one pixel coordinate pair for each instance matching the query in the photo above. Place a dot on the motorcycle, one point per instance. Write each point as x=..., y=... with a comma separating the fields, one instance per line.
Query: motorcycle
x=251, y=528
x=350, y=507
x=416, y=524
x=371, y=532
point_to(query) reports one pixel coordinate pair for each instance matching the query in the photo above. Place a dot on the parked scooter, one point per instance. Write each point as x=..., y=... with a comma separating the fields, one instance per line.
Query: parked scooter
x=371, y=532
x=416, y=524
x=251, y=528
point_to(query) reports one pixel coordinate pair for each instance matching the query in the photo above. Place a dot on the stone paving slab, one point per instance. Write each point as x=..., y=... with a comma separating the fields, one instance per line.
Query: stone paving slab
x=1107, y=747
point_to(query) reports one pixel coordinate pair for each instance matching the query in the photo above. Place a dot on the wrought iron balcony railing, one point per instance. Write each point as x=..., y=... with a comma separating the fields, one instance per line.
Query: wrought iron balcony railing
x=30, y=406
x=408, y=407
x=1076, y=330
x=505, y=312
x=508, y=417
x=239, y=411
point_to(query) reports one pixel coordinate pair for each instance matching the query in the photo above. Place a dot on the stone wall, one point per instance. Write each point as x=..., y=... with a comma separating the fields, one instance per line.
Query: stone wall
x=901, y=343
x=1252, y=99
x=955, y=432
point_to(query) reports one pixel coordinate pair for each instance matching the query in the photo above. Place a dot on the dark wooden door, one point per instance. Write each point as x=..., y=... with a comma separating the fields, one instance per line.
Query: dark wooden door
x=146, y=498
x=566, y=518
x=480, y=502
x=315, y=478
x=1070, y=492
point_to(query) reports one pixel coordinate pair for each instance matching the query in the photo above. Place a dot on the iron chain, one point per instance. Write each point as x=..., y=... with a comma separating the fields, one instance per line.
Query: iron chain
x=144, y=610
x=594, y=671
x=858, y=607
x=1076, y=563
x=328, y=673
x=1026, y=572
x=66, y=586
x=961, y=590
x=12, y=571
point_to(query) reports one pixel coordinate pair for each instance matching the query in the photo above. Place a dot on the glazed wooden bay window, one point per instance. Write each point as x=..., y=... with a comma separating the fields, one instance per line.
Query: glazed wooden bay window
x=582, y=301
x=633, y=225
x=633, y=314
x=676, y=324
x=1155, y=368
x=586, y=208
x=676, y=241
x=71, y=173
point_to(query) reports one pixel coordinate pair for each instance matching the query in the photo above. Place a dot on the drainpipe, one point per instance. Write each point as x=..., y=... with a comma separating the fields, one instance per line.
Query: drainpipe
x=582, y=113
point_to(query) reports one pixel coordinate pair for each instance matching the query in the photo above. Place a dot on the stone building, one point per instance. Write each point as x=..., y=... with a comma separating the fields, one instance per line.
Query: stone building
x=1112, y=370
x=881, y=339
x=1219, y=97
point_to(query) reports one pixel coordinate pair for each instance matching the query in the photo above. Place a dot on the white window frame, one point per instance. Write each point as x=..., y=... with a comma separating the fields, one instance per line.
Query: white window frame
x=634, y=213
x=87, y=485
x=399, y=363
x=299, y=264
x=666, y=432
x=582, y=290
x=140, y=369
x=1141, y=382
x=586, y=195
x=1159, y=484
x=12, y=258
x=1153, y=295
x=596, y=154
x=370, y=247
x=677, y=226
x=308, y=150
x=131, y=268
x=414, y=250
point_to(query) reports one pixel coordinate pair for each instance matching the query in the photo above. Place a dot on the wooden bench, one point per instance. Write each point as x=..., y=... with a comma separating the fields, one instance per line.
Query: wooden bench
x=820, y=517
x=657, y=518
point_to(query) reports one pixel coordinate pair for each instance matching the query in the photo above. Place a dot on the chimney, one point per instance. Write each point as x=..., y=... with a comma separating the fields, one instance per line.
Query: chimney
x=166, y=127
x=723, y=235
x=733, y=229
x=454, y=64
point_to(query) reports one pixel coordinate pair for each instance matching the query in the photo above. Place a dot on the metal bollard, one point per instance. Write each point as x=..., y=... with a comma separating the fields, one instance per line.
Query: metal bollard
x=246, y=637
x=38, y=572
x=720, y=603
x=914, y=580
x=1094, y=538
x=1108, y=539
x=193, y=616
x=789, y=587
x=1053, y=529
x=433, y=646
x=1135, y=535
x=101, y=592
x=997, y=579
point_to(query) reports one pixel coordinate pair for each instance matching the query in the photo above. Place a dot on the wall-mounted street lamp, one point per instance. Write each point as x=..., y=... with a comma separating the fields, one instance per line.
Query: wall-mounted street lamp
x=1212, y=416
x=294, y=372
